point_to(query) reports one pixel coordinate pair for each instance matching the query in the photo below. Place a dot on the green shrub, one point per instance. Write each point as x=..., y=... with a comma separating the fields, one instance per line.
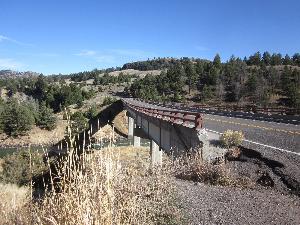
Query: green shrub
x=108, y=100
x=78, y=122
x=16, y=167
x=46, y=118
x=231, y=138
x=16, y=119
x=92, y=112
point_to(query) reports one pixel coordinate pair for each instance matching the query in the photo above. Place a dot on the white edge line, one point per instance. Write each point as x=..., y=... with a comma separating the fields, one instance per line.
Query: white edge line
x=256, y=143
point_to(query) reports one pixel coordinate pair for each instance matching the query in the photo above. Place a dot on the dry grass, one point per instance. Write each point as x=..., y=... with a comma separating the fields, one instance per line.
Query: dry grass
x=1, y=163
x=13, y=199
x=121, y=123
x=104, y=190
x=195, y=169
x=233, y=153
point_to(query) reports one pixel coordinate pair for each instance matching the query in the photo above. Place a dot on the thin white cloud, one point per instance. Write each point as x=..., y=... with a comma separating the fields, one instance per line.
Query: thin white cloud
x=4, y=38
x=43, y=54
x=7, y=63
x=48, y=54
x=112, y=56
x=130, y=52
x=86, y=53
x=201, y=48
x=105, y=59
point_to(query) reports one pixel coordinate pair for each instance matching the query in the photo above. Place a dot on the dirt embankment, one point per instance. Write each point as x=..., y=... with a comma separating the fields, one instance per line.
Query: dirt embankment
x=36, y=136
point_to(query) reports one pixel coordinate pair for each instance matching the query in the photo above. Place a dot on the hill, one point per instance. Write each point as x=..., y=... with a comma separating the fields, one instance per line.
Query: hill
x=14, y=74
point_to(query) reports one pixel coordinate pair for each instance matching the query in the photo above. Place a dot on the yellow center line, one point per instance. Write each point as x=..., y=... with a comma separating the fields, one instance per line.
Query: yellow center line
x=256, y=126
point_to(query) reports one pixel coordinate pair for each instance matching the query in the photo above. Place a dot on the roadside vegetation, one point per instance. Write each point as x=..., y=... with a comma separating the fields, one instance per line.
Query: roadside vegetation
x=103, y=189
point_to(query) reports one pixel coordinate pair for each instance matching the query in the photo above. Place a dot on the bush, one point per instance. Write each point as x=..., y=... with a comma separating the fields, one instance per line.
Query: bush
x=108, y=100
x=16, y=119
x=92, y=112
x=231, y=138
x=233, y=153
x=16, y=167
x=78, y=122
x=195, y=169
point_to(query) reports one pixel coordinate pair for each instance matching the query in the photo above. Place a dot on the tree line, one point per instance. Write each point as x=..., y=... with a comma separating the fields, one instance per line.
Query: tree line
x=253, y=80
x=56, y=95
x=17, y=118
x=45, y=98
x=257, y=59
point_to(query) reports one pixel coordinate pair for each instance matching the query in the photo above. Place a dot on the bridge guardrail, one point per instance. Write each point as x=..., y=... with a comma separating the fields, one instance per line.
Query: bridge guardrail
x=248, y=109
x=180, y=117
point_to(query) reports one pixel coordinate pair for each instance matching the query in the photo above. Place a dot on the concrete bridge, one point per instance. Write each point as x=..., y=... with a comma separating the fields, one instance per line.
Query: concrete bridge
x=170, y=130
x=176, y=129
x=185, y=124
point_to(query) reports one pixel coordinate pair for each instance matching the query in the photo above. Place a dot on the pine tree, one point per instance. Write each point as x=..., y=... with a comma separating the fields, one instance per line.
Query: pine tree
x=16, y=119
x=191, y=75
x=266, y=58
x=287, y=60
x=46, y=117
x=217, y=61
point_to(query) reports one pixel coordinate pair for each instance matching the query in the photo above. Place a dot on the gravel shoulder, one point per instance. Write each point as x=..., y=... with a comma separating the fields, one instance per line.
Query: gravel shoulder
x=205, y=204
x=274, y=199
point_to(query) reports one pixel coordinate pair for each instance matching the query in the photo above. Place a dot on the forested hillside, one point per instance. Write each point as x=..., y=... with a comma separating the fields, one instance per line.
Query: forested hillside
x=261, y=80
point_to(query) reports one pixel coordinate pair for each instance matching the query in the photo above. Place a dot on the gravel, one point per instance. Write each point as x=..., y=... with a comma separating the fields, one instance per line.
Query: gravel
x=278, y=203
x=205, y=204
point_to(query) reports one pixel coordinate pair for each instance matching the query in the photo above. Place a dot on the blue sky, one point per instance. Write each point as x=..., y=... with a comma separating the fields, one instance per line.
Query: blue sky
x=63, y=36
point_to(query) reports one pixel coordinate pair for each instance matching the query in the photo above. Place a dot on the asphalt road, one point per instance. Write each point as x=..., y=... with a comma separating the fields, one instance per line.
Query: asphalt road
x=272, y=135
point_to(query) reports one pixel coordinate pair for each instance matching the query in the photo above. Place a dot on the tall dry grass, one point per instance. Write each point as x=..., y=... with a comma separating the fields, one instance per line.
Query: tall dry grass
x=99, y=189
x=193, y=168
x=101, y=192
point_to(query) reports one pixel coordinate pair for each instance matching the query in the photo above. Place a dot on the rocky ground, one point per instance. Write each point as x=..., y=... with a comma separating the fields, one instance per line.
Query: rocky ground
x=274, y=199
x=205, y=204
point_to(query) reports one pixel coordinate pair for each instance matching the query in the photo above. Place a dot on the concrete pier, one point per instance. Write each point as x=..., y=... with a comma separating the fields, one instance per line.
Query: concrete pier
x=136, y=141
x=130, y=127
x=156, y=154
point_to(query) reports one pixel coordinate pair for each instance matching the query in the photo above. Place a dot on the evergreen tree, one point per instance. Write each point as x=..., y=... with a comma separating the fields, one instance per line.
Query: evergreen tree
x=287, y=60
x=92, y=112
x=16, y=119
x=266, y=58
x=217, y=61
x=296, y=59
x=191, y=75
x=207, y=93
x=254, y=59
x=79, y=122
x=46, y=117
x=276, y=59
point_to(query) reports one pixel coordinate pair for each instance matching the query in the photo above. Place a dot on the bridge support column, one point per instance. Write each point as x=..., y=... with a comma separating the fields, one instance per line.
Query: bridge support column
x=136, y=141
x=156, y=154
x=130, y=127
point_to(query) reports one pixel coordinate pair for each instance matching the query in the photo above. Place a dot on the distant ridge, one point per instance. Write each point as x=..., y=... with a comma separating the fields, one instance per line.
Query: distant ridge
x=13, y=74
